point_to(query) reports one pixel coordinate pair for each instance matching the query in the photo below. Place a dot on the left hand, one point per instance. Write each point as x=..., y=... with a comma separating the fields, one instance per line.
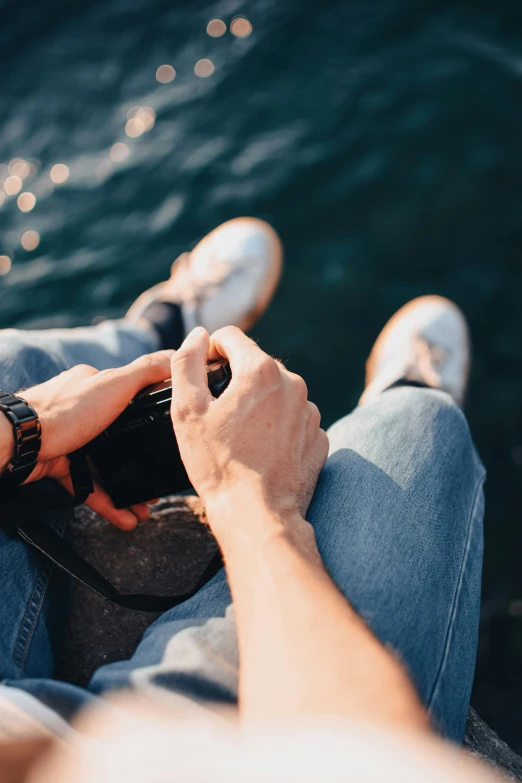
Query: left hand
x=75, y=407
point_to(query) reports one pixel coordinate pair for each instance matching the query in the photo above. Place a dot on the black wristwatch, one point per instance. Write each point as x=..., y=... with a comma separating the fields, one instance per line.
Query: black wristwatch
x=27, y=438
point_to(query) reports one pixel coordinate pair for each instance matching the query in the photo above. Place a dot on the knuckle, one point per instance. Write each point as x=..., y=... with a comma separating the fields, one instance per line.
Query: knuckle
x=107, y=375
x=324, y=443
x=149, y=366
x=301, y=389
x=186, y=407
x=141, y=512
x=82, y=371
x=199, y=406
x=267, y=367
x=320, y=449
x=178, y=359
x=314, y=413
x=227, y=332
x=179, y=412
x=149, y=361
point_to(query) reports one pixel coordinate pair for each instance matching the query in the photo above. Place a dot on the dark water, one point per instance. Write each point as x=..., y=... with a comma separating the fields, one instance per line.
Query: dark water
x=382, y=139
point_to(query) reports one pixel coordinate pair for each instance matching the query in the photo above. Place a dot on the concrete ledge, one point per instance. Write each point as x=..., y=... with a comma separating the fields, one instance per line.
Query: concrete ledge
x=164, y=556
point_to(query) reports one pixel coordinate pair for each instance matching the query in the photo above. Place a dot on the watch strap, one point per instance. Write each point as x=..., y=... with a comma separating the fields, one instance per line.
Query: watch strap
x=27, y=437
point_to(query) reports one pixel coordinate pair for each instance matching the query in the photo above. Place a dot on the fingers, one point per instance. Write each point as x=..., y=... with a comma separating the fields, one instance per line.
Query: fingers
x=125, y=382
x=248, y=361
x=141, y=511
x=232, y=344
x=101, y=503
x=79, y=404
x=101, y=398
x=190, y=392
x=251, y=367
x=104, y=395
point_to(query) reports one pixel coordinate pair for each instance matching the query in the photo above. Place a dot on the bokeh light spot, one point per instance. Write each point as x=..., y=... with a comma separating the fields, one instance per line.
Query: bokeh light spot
x=240, y=27
x=59, y=173
x=20, y=168
x=204, y=68
x=30, y=240
x=147, y=116
x=134, y=127
x=165, y=74
x=132, y=112
x=26, y=201
x=5, y=265
x=216, y=28
x=13, y=185
x=119, y=152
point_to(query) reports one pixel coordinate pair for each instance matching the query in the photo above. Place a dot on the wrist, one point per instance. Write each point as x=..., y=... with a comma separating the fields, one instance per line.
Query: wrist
x=242, y=518
x=7, y=442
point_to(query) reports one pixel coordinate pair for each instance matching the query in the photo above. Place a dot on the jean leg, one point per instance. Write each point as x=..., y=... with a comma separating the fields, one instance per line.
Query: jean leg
x=31, y=357
x=398, y=514
x=190, y=650
x=35, y=595
x=34, y=607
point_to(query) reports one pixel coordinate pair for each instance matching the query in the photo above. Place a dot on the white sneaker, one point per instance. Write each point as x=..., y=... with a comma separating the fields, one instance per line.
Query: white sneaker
x=427, y=341
x=228, y=279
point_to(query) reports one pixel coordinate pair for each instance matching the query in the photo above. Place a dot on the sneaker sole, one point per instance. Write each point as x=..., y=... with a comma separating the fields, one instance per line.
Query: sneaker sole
x=373, y=359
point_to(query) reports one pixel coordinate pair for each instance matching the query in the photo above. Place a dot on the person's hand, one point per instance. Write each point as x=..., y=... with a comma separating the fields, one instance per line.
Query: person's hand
x=260, y=439
x=75, y=407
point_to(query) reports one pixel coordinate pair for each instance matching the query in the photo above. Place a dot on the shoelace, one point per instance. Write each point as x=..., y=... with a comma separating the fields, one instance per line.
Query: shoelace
x=428, y=359
x=193, y=291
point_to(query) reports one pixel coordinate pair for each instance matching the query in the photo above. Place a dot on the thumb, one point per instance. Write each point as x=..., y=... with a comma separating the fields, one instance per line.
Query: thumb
x=189, y=374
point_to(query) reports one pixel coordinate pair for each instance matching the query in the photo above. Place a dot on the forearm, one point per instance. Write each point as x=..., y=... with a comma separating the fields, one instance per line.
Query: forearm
x=304, y=651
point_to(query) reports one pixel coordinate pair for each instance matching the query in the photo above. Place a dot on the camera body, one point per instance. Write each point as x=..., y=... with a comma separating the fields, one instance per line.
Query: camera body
x=137, y=458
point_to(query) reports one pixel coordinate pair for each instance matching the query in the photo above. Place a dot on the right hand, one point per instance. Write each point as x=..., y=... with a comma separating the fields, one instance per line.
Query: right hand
x=260, y=440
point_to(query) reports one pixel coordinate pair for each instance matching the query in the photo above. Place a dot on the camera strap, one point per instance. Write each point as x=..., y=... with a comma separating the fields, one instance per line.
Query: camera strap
x=19, y=506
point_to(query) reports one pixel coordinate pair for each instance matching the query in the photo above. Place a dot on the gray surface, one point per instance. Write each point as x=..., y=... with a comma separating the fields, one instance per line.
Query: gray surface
x=164, y=556
x=167, y=555
x=482, y=741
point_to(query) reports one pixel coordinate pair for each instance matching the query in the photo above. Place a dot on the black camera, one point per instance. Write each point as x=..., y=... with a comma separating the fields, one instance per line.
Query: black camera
x=137, y=458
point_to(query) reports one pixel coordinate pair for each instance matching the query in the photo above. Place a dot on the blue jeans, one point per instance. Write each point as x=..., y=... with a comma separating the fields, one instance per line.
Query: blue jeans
x=397, y=513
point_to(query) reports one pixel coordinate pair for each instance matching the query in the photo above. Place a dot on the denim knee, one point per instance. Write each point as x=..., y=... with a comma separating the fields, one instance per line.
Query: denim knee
x=438, y=416
x=411, y=434
x=22, y=363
